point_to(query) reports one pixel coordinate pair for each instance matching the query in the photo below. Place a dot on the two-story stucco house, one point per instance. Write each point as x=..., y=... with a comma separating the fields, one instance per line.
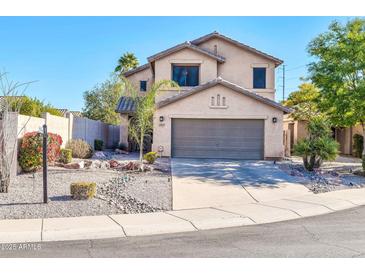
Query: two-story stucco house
x=225, y=107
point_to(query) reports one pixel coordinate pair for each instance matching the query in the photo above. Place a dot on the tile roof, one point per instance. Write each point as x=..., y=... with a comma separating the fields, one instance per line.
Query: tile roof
x=244, y=46
x=126, y=105
x=64, y=112
x=184, y=45
x=135, y=70
x=229, y=85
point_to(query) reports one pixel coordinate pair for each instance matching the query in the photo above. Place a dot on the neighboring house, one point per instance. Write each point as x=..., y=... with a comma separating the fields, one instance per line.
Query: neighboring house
x=344, y=136
x=225, y=107
x=65, y=111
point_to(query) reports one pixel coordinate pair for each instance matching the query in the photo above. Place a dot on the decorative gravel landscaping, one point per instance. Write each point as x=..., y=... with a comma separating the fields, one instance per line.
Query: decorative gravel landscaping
x=336, y=175
x=118, y=191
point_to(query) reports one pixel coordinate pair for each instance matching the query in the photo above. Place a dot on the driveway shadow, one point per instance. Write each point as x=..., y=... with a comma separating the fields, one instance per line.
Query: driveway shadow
x=234, y=172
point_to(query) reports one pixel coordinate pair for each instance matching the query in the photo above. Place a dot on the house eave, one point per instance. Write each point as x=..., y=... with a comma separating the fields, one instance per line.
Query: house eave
x=227, y=84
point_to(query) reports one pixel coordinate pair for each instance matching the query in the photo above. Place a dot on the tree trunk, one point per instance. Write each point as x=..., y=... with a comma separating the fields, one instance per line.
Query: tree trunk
x=363, y=150
x=4, y=184
x=309, y=162
x=318, y=162
x=141, y=151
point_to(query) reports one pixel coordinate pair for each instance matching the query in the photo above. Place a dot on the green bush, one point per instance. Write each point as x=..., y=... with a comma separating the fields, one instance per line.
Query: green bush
x=83, y=190
x=80, y=149
x=32, y=106
x=358, y=145
x=318, y=146
x=150, y=157
x=98, y=144
x=31, y=149
x=65, y=156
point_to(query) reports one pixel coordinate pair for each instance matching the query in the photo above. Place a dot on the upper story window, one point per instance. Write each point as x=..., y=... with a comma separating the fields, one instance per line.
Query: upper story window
x=143, y=85
x=185, y=75
x=259, y=77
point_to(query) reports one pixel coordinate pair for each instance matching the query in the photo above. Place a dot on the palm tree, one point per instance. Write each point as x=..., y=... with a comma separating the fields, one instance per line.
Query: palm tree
x=126, y=62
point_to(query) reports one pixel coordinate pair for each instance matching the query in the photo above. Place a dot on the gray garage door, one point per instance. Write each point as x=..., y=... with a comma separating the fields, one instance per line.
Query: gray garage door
x=218, y=138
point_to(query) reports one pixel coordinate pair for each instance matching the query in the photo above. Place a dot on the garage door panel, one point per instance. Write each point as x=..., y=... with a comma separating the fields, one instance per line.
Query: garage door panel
x=218, y=138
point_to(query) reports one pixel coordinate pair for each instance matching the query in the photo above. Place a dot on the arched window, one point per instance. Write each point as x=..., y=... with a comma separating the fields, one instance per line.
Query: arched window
x=218, y=100
x=212, y=103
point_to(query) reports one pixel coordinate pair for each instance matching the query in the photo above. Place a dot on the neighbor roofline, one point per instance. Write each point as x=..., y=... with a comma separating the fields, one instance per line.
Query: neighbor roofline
x=237, y=43
x=228, y=85
x=135, y=70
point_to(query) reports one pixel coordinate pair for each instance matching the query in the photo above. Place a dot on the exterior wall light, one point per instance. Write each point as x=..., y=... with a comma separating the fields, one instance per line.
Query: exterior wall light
x=162, y=118
x=274, y=119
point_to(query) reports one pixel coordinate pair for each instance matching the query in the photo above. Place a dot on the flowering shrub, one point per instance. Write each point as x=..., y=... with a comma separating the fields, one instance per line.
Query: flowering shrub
x=30, y=152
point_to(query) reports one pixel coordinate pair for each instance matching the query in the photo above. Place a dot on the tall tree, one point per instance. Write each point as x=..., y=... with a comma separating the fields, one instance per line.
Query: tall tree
x=141, y=123
x=101, y=101
x=126, y=62
x=338, y=71
x=304, y=102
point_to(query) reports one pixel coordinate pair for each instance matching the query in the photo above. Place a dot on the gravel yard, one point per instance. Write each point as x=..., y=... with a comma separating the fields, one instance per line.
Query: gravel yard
x=331, y=176
x=118, y=192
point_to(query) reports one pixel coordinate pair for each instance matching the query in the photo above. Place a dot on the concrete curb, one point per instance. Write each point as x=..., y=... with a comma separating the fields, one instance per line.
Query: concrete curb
x=185, y=220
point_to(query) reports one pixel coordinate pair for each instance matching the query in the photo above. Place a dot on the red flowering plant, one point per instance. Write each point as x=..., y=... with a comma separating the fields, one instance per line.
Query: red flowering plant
x=30, y=152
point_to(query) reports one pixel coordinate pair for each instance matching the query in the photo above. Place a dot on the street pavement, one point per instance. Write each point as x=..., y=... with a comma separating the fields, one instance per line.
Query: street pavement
x=338, y=234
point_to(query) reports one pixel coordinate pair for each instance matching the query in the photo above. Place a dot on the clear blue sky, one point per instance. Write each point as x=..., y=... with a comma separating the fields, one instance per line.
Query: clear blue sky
x=69, y=55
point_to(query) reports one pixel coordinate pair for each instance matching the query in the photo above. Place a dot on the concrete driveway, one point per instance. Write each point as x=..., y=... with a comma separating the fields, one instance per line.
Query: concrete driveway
x=209, y=182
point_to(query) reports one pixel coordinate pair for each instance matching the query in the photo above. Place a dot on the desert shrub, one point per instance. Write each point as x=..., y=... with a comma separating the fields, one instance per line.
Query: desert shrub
x=318, y=146
x=83, y=190
x=150, y=157
x=358, y=145
x=65, y=156
x=31, y=149
x=98, y=144
x=80, y=149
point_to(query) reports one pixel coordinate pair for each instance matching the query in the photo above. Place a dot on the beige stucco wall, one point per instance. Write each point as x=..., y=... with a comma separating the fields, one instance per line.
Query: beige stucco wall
x=163, y=68
x=123, y=133
x=55, y=124
x=238, y=107
x=143, y=75
x=238, y=67
x=58, y=125
x=345, y=138
x=300, y=128
x=29, y=124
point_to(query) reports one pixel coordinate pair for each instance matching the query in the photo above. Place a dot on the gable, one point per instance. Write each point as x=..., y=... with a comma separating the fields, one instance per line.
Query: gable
x=232, y=51
x=208, y=66
x=220, y=37
x=186, y=45
x=235, y=105
x=227, y=85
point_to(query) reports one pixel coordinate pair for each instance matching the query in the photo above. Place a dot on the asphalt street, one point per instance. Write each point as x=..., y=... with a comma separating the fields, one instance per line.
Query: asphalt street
x=339, y=234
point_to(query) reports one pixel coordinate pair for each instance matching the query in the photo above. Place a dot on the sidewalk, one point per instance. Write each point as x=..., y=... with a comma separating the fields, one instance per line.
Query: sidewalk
x=126, y=225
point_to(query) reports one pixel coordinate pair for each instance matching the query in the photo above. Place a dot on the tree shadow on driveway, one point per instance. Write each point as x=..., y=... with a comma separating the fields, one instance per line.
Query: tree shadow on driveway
x=232, y=172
